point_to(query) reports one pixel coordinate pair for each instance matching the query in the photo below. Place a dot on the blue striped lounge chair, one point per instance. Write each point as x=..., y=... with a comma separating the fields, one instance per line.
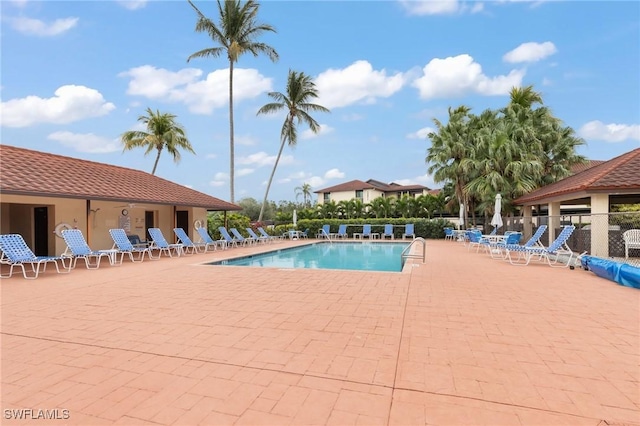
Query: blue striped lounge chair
x=77, y=248
x=324, y=232
x=558, y=249
x=16, y=253
x=388, y=231
x=160, y=243
x=265, y=234
x=230, y=241
x=123, y=245
x=258, y=238
x=366, y=232
x=342, y=232
x=240, y=238
x=209, y=242
x=188, y=246
x=409, y=231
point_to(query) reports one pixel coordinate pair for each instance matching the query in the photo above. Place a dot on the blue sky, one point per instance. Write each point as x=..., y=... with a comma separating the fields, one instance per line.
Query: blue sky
x=77, y=74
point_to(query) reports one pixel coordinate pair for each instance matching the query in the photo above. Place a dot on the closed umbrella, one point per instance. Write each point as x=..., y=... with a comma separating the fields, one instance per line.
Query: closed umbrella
x=496, y=221
x=295, y=218
x=461, y=224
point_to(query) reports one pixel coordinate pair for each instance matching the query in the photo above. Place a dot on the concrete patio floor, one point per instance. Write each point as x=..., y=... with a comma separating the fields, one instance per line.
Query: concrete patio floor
x=460, y=340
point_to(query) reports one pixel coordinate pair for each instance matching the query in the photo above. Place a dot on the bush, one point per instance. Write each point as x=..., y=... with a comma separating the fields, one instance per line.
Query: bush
x=425, y=228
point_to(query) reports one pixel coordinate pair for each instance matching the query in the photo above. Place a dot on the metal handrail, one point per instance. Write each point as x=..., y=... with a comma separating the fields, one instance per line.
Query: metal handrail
x=328, y=237
x=406, y=255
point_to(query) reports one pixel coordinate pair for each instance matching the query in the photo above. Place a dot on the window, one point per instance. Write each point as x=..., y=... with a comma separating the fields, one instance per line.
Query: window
x=359, y=194
x=327, y=197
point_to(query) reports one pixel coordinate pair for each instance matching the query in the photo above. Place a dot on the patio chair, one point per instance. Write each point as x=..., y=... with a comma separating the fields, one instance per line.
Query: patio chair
x=408, y=231
x=229, y=240
x=160, y=243
x=342, y=232
x=534, y=241
x=256, y=237
x=123, y=246
x=366, y=232
x=271, y=238
x=449, y=234
x=324, y=232
x=208, y=242
x=631, y=241
x=388, y=231
x=16, y=253
x=558, y=248
x=496, y=246
x=188, y=246
x=305, y=233
x=77, y=248
x=240, y=238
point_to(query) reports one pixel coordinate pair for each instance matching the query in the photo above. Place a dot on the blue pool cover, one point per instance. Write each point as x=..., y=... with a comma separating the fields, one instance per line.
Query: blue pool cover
x=621, y=273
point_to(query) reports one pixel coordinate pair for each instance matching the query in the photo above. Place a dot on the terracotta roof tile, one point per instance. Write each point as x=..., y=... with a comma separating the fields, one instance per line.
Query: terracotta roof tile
x=352, y=185
x=356, y=185
x=620, y=173
x=29, y=172
x=577, y=168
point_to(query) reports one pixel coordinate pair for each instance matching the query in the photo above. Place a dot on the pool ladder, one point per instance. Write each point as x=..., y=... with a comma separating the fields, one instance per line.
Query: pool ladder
x=406, y=255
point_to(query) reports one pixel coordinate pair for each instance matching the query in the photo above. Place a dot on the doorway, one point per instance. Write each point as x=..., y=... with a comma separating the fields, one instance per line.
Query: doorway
x=148, y=222
x=182, y=221
x=41, y=231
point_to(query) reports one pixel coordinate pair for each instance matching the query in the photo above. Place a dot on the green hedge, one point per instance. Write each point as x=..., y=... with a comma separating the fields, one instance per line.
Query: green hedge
x=425, y=228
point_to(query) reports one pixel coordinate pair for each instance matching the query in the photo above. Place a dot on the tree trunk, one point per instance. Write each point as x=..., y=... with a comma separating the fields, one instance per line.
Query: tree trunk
x=155, y=165
x=273, y=172
x=231, y=144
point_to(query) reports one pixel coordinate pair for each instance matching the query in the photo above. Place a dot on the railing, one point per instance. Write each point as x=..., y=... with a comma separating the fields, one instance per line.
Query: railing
x=406, y=252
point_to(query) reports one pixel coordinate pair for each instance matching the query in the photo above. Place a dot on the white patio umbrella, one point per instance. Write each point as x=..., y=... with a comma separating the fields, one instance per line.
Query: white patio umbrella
x=496, y=220
x=295, y=218
x=461, y=223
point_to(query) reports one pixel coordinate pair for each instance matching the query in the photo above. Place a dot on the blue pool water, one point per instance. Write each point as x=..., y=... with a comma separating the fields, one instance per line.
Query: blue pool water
x=366, y=256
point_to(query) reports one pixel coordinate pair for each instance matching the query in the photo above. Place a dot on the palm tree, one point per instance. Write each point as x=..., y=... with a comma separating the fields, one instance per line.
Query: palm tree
x=305, y=191
x=300, y=90
x=162, y=133
x=235, y=33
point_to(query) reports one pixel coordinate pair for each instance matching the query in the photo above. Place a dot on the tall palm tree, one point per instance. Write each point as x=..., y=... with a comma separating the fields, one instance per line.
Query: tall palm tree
x=305, y=191
x=163, y=133
x=235, y=33
x=296, y=101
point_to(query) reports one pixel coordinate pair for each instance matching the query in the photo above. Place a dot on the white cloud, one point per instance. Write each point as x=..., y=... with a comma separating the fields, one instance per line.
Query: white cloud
x=421, y=133
x=459, y=75
x=202, y=96
x=71, y=103
x=357, y=83
x=40, y=28
x=319, y=181
x=352, y=117
x=597, y=130
x=86, y=142
x=219, y=179
x=133, y=4
x=530, y=52
x=244, y=140
x=211, y=156
x=261, y=158
x=244, y=172
x=440, y=7
x=333, y=174
x=546, y=82
x=324, y=129
x=425, y=180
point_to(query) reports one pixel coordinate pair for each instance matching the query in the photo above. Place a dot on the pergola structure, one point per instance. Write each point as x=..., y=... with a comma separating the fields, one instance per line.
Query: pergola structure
x=616, y=181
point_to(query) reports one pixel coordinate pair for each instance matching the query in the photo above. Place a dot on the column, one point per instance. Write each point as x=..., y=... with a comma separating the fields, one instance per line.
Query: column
x=600, y=225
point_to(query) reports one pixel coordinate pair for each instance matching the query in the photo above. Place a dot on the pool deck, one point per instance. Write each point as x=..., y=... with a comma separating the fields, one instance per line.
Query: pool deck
x=460, y=340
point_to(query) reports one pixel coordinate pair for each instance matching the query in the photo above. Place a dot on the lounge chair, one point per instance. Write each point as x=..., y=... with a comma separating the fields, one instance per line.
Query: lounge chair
x=16, y=253
x=256, y=237
x=495, y=247
x=324, y=232
x=240, y=238
x=208, y=242
x=77, y=248
x=264, y=233
x=187, y=244
x=229, y=240
x=342, y=232
x=558, y=248
x=124, y=246
x=408, y=231
x=631, y=241
x=388, y=232
x=366, y=232
x=160, y=243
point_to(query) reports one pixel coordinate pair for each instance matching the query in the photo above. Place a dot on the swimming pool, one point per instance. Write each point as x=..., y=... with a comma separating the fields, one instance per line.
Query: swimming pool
x=364, y=256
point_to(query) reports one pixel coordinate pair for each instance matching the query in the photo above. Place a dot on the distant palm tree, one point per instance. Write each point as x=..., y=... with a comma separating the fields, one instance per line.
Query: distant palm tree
x=305, y=191
x=300, y=90
x=236, y=34
x=162, y=133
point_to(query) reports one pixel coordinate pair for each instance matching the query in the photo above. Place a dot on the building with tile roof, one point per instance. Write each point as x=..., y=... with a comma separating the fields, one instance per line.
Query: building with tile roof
x=42, y=193
x=368, y=191
x=616, y=181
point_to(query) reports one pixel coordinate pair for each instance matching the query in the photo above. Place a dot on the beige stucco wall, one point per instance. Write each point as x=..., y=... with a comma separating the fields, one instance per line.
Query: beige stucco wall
x=17, y=216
